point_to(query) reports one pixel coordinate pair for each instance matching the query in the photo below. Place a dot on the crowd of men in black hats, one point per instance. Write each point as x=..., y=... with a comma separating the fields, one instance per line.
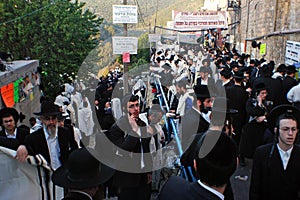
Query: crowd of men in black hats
x=207, y=92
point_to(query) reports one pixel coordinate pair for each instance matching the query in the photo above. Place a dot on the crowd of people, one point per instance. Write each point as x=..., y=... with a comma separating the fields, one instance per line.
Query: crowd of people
x=215, y=107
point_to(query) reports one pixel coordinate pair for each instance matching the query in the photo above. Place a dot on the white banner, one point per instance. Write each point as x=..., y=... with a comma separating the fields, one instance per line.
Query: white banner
x=292, y=52
x=191, y=21
x=125, y=14
x=154, y=37
x=125, y=44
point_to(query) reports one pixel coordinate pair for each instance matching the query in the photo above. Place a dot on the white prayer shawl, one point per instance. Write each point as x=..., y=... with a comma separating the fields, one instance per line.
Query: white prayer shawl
x=77, y=99
x=26, y=180
x=71, y=109
x=171, y=94
x=181, y=103
x=85, y=120
x=116, y=108
x=69, y=88
x=157, y=157
x=77, y=135
x=59, y=100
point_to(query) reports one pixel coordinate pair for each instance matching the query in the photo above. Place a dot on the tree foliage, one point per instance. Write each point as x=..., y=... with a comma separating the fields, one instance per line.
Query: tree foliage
x=60, y=34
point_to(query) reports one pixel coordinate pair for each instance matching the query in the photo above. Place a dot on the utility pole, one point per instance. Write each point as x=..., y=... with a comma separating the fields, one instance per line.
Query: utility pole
x=125, y=76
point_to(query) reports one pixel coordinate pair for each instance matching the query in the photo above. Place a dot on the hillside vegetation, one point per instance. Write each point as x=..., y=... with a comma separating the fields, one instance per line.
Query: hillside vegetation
x=148, y=9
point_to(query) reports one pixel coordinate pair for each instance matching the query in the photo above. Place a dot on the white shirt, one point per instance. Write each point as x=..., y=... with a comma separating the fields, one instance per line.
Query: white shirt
x=220, y=195
x=13, y=136
x=53, y=147
x=293, y=95
x=285, y=156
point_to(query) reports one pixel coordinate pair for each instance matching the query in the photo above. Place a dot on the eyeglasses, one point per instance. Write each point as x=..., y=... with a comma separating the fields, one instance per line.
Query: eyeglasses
x=8, y=121
x=134, y=105
x=288, y=129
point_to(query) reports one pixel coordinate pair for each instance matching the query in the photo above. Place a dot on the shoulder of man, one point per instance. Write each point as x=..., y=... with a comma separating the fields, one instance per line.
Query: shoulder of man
x=175, y=188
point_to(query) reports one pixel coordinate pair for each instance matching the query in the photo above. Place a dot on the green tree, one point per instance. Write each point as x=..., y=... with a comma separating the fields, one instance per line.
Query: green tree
x=60, y=34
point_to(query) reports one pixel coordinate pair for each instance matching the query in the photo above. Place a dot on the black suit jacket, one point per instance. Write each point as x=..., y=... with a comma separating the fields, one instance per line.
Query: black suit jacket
x=270, y=180
x=13, y=143
x=192, y=122
x=121, y=135
x=177, y=188
x=287, y=83
x=36, y=144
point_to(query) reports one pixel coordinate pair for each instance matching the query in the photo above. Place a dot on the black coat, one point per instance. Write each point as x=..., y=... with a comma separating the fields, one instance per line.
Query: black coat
x=192, y=122
x=275, y=89
x=36, y=144
x=237, y=98
x=269, y=179
x=176, y=188
x=221, y=90
x=253, y=132
x=121, y=135
x=13, y=143
x=287, y=83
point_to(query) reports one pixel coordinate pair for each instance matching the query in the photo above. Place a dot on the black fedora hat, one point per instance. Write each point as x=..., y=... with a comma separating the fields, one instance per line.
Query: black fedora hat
x=202, y=91
x=238, y=75
x=259, y=87
x=291, y=69
x=280, y=110
x=82, y=170
x=48, y=108
x=226, y=72
x=9, y=111
x=281, y=68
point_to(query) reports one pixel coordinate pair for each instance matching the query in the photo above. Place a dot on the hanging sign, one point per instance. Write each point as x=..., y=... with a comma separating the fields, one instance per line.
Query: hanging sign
x=7, y=93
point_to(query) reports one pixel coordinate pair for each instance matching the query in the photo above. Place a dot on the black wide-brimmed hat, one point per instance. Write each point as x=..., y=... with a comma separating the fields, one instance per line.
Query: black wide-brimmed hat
x=259, y=87
x=82, y=170
x=226, y=72
x=280, y=110
x=11, y=111
x=281, y=68
x=48, y=108
x=291, y=69
x=238, y=75
x=202, y=91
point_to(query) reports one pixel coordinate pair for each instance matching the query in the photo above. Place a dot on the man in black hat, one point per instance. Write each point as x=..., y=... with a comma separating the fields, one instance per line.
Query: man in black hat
x=204, y=79
x=82, y=175
x=224, y=82
x=11, y=136
x=237, y=98
x=215, y=159
x=275, y=172
x=253, y=132
x=129, y=134
x=197, y=119
x=54, y=143
x=289, y=80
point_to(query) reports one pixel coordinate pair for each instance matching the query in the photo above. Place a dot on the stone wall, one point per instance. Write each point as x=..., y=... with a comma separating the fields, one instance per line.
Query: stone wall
x=259, y=19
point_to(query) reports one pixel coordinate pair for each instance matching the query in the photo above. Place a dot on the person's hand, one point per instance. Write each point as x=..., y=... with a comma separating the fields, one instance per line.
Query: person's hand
x=149, y=176
x=170, y=114
x=260, y=119
x=133, y=124
x=22, y=153
x=259, y=100
x=150, y=130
